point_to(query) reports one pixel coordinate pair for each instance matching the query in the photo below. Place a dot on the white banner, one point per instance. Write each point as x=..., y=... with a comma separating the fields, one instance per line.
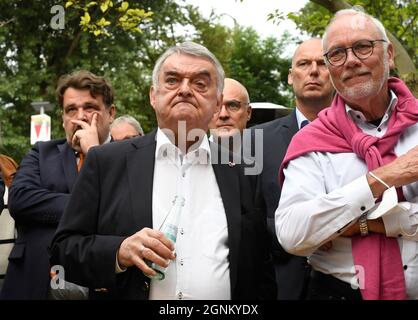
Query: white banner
x=40, y=128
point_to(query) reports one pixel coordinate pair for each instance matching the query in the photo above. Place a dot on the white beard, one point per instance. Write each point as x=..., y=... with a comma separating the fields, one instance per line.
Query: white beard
x=368, y=88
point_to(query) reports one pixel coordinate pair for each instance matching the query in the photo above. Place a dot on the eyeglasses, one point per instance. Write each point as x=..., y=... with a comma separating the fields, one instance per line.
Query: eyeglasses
x=362, y=49
x=234, y=105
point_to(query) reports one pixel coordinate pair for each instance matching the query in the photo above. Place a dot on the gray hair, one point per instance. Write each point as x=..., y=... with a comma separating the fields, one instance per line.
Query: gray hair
x=129, y=120
x=194, y=49
x=356, y=11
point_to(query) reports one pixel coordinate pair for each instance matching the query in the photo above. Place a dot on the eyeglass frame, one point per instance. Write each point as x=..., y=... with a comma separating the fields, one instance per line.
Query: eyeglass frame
x=372, y=42
x=228, y=108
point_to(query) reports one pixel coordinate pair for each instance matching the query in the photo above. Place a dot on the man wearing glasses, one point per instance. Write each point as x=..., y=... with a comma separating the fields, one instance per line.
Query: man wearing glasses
x=338, y=168
x=233, y=115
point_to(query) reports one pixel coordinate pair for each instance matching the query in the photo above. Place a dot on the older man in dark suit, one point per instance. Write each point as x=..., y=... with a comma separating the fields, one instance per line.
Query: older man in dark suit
x=313, y=90
x=45, y=179
x=109, y=235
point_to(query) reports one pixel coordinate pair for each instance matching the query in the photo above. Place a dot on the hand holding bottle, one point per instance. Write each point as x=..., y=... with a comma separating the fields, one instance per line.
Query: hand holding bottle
x=170, y=229
x=146, y=244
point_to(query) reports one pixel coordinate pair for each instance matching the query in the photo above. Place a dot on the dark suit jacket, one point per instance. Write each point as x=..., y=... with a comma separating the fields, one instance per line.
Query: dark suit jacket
x=291, y=271
x=2, y=188
x=37, y=198
x=112, y=200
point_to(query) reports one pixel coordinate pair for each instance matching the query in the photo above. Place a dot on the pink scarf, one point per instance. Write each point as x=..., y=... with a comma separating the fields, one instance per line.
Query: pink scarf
x=334, y=131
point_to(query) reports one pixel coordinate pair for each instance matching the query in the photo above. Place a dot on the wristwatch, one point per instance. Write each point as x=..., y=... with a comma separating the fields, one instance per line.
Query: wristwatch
x=364, y=229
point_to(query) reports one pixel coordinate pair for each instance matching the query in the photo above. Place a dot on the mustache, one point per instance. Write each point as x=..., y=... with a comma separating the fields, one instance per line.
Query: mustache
x=356, y=73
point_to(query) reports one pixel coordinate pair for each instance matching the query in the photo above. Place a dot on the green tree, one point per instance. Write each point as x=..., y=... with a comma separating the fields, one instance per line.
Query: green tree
x=257, y=63
x=35, y=55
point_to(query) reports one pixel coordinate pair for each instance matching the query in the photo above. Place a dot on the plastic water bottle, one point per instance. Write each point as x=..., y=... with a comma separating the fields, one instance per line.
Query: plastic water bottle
x=170, y=230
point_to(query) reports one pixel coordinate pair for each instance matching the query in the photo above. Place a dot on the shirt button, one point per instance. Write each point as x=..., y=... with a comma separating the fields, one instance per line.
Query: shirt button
x=180, y=295
x=183, y=174
x=363, y=208
x=405, y=267
x=181, y=231
x=379, y=129
x=399, y=235
x=181, y=262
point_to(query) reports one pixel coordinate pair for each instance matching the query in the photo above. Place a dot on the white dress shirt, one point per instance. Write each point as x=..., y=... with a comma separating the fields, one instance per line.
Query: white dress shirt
x=323, y=192
x=201, y=268
x=300, y=117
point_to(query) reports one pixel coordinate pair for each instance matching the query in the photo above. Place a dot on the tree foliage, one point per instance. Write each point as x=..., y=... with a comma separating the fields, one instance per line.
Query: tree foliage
x=97, y=17
x=34, y=55
x=257, y=63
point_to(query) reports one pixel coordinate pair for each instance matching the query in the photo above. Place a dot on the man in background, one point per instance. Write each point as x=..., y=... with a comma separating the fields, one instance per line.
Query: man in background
x=45, y=179
x=125, y=127
x=313, y=91
x=228, y=124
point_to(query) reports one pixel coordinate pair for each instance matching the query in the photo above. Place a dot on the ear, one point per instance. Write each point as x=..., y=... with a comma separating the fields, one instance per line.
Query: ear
x=391, y=56
x=112, y=112
x=152, y=96
x=290, y=77
x=249, y=113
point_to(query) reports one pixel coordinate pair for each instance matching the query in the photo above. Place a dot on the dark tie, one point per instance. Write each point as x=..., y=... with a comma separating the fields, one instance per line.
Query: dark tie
x=304, y=123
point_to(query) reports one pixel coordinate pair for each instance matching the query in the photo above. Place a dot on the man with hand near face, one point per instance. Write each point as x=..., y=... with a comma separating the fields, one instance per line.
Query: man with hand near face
x=45, y=180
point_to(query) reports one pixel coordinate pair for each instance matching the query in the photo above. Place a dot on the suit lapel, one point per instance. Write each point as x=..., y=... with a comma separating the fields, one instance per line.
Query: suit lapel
x=289, y=127
x=140, y=165
x=68, y=164
x=229, y=187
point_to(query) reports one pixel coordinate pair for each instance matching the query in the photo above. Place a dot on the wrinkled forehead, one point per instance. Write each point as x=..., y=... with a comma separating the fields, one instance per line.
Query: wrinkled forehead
x=187, y=65
x=308, y=50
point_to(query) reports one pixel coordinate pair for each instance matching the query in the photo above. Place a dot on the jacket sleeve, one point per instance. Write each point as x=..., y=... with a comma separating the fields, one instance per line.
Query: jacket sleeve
x=29, y=200
x=87, y=256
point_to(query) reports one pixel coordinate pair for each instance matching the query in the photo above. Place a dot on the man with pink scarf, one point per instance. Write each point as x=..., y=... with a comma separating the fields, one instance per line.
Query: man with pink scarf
x=337, y=170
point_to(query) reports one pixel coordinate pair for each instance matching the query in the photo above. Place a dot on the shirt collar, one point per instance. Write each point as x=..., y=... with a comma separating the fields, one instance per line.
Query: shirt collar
x=108, y=139
x=198, y=151
x=300, y=117
x=359, y=115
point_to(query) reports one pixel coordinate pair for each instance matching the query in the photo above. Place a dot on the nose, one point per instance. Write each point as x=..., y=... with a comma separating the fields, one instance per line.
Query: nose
x=314, y=68
x=184, y=88
x=223, y=113
x=351, y=60
x=82, y=115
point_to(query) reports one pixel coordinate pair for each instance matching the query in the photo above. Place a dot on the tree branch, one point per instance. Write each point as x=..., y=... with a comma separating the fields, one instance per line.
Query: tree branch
x=3, y=23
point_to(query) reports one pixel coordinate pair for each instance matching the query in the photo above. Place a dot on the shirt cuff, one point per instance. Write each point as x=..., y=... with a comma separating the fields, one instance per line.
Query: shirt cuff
x=398, y=224
x=118, y=269
x=359, y=196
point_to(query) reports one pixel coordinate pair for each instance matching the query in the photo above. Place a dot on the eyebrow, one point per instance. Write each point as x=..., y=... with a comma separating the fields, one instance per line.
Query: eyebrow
x=196, y=74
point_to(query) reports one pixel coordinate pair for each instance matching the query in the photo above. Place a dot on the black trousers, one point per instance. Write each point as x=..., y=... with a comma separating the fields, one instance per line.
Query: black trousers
x=326, y=287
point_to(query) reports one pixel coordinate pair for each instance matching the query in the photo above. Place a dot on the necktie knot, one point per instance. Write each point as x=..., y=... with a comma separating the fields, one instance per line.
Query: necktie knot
x=304, y=123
